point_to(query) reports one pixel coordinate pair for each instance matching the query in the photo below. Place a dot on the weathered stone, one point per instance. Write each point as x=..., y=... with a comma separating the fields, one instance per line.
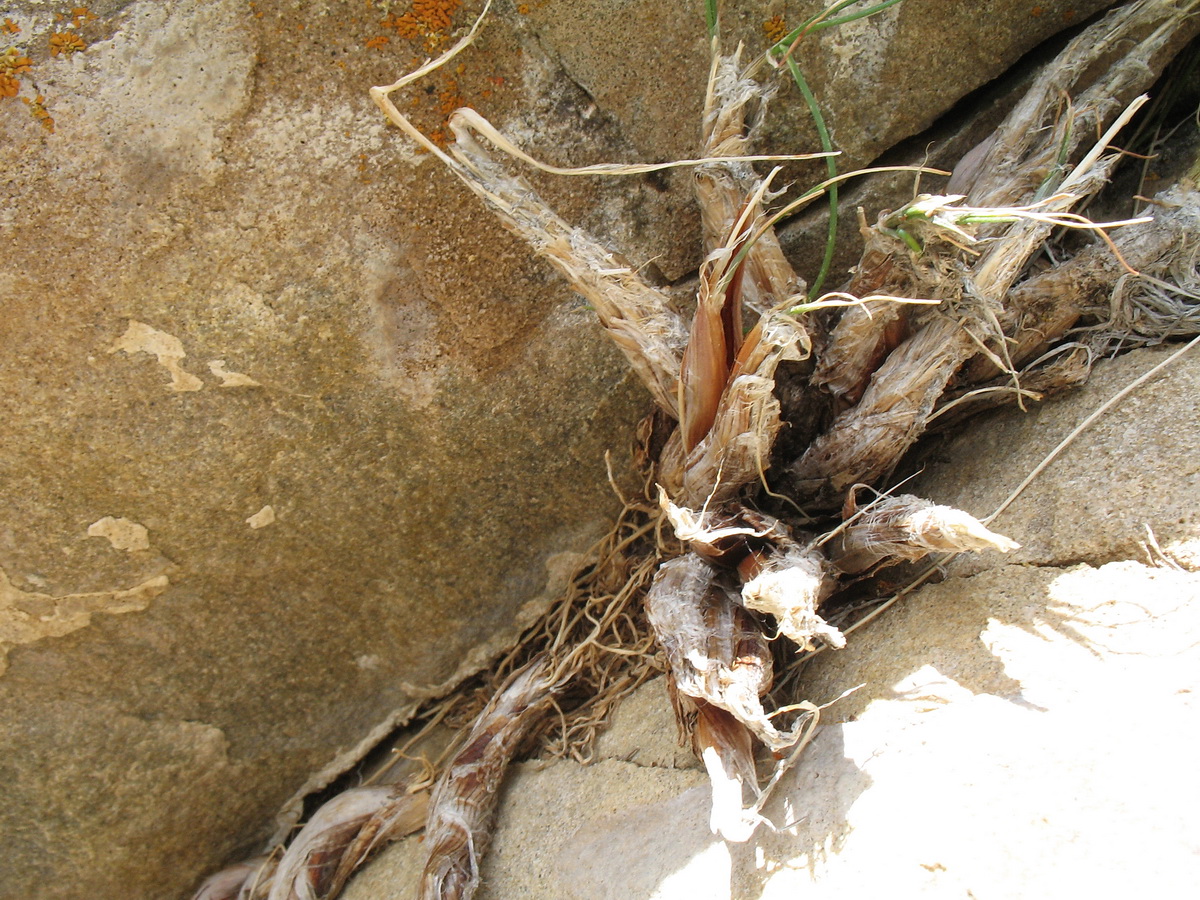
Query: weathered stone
x=1084, y=513
x=229, y=289
x=1021, y=730
x=293, y=434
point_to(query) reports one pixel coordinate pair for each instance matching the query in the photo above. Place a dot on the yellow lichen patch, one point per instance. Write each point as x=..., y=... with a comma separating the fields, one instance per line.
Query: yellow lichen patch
x=10, y=27
x=65, y=43
x=27, y=616
x=141, y=338
x=122, y=533
x=775, y=30
x=12, y=64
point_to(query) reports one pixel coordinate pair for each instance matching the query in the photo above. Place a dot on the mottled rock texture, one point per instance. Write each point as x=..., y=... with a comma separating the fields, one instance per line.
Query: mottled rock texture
x=293, y=434
x=1023, y=729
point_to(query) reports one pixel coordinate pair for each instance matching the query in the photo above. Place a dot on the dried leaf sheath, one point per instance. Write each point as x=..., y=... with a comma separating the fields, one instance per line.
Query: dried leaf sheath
x=789, y=582
x=460, y=814
x=707, y=358
x=716, y=650
x=232, y=883
x=866, y=334
x=340, y=837
x=719, y=665
x=727, y=751
x=866, y=441
x=736, y=450
x=905, y=527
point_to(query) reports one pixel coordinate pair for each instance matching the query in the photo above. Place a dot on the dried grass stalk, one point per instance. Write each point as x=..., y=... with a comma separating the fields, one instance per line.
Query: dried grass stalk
x=637, y=316
x=458, y=829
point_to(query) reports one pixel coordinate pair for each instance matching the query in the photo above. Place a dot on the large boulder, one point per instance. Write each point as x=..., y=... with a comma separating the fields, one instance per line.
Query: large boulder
x=1021, y=729
x=295, y=436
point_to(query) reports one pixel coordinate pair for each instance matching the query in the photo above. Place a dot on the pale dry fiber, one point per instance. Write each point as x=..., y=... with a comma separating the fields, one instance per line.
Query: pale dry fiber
x=739, y=577
x=460, y=811
x=341, y=836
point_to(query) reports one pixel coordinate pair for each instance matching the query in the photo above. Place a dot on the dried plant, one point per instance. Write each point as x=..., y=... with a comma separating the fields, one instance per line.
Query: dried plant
x=946, y=311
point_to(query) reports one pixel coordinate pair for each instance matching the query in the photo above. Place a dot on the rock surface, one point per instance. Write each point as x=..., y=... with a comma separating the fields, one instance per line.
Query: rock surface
x=293, y=433
x=1024, y=728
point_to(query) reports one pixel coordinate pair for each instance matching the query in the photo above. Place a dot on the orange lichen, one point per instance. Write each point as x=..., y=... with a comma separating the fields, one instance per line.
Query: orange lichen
x=377, y=43
x=10, y=27
x=449, y=99
x=428, y=19
x=66, y=43
x=1037, y=12
x=37, y=107
x=13, y=63
x=523, y=9
x=406, y=26
x=775, y=30
x=435, y=15
x=81, y=14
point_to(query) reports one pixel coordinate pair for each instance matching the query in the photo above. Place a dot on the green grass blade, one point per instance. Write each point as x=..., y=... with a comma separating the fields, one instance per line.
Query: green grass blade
x=710, y=17
x=862, y=14
x=814, y=110
x=821, y=21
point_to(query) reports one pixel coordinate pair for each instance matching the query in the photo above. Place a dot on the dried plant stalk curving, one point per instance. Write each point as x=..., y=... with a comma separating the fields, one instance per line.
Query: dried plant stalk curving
x=460, y=811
